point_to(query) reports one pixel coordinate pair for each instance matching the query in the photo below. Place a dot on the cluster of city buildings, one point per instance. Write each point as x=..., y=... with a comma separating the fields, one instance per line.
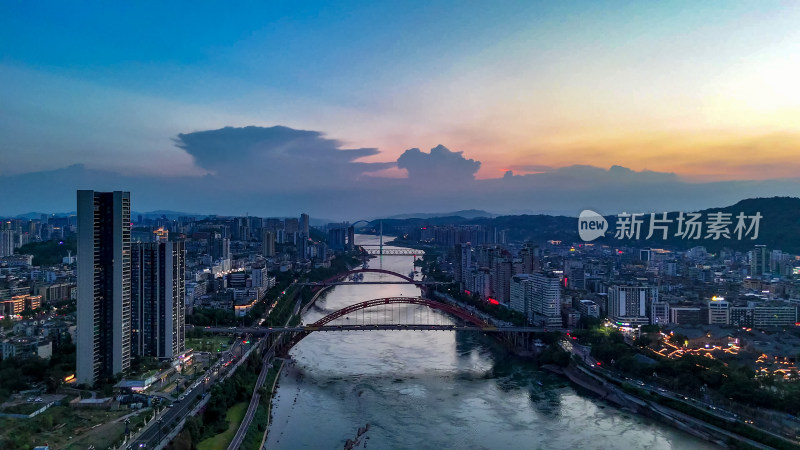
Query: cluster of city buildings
x=136, y=281
x=232, y=261
x=25, y=288
x=37, y=337
x=17, y=232
x=553, y=280
x=131, y=295
x=556, y=284
x=732, y=304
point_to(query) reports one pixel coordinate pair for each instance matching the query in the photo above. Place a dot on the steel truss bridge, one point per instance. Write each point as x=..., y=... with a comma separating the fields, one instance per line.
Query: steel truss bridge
x=378, y=250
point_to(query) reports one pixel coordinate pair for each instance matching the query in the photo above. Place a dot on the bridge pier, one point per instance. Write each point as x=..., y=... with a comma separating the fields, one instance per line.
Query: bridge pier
x=519, y=341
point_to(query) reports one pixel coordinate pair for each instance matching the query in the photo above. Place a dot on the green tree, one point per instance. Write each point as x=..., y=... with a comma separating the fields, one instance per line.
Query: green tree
x=679, y=339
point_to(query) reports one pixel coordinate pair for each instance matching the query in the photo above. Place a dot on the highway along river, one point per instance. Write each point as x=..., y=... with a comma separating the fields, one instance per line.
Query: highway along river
x=436, y=389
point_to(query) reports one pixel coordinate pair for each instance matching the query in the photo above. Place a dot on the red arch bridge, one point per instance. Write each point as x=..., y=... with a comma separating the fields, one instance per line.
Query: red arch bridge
x=382, y=314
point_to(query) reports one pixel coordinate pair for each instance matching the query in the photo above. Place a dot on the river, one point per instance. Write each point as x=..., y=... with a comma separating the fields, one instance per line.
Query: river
x=437, y=389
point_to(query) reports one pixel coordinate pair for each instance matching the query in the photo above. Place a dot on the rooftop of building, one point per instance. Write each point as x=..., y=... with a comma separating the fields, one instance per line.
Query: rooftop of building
x=27, y=340
x=698, y=331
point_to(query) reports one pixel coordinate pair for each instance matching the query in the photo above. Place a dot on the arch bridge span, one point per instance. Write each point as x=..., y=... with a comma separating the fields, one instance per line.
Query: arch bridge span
x=476, y=322
x=318, y=287
x=355, y=271
x=433, y=304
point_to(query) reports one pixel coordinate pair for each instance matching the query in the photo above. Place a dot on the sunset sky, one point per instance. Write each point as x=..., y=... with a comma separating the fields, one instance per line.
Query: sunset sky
x=706, y=91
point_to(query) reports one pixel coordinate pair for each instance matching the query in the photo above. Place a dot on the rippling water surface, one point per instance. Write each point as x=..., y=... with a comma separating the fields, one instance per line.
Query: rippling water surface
x=436, y=389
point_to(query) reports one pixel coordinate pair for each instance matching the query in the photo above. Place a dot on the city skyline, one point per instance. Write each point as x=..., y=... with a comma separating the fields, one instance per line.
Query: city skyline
x=405, y=224
x=692, y=101
x=237, y=288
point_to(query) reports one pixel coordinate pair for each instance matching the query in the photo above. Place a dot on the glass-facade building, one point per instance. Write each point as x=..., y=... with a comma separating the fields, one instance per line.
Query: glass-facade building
x=104, y=285
x=158, y=299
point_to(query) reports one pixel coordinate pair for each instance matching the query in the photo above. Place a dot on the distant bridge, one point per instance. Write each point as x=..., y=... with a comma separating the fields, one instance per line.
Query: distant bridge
x=379, y=250
x=343, y=275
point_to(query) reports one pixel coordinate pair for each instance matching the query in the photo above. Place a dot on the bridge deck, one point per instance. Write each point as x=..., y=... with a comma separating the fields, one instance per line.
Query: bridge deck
x=337, y=283
x=392, y=251
x=388, y=327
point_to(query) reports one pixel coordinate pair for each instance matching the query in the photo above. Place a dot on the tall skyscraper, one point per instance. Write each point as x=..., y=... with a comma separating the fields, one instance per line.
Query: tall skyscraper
x=304, y=219
x=529, y=263
x=7, y=241
x=104, y=285
x=220, y=247
x=241, y=229
x=480, y=282
x=273, y=224
x=158, y=292
x=463, y=261
x=521, y=294
x=546, y=299
x=267, y=243
x=291, y=225
x=759, y=262
x=337, y=238
x=351, y=238
x=574, y=274
x=501, y=279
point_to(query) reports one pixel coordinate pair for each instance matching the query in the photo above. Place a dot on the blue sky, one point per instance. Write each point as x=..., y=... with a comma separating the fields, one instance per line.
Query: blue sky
x=692, y=89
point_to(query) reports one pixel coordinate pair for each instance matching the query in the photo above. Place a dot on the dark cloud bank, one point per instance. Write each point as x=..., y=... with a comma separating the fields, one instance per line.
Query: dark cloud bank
x=282, y=171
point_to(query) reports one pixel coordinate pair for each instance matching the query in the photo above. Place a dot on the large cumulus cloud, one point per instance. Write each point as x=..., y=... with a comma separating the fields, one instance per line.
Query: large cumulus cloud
x=282, y=171
x=440, y=164
x=277, y=155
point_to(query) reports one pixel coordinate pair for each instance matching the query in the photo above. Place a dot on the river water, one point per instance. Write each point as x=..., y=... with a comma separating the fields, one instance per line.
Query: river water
x=436, y=389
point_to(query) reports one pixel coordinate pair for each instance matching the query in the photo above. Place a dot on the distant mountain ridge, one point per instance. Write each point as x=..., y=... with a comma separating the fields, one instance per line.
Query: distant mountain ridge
x=466, y=213
x=150, y=214
x=164, y=212
x=779, y=227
